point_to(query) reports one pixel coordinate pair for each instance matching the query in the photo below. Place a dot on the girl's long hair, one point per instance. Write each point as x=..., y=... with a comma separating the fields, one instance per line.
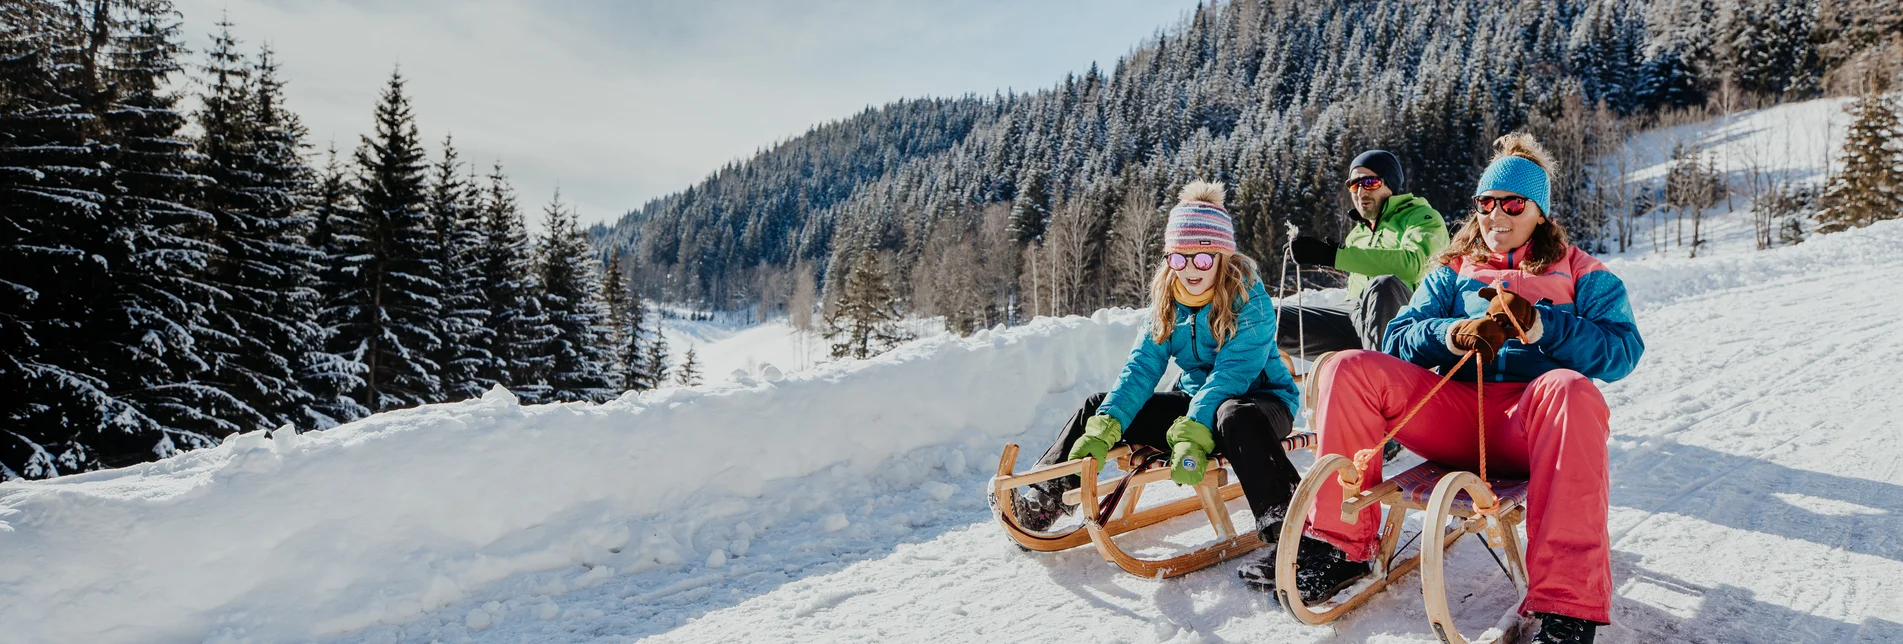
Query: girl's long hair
x=1234, y=274
x=1549, y=241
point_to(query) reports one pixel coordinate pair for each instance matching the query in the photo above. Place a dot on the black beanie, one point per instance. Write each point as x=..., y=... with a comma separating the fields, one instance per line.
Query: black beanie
x=1384, y=165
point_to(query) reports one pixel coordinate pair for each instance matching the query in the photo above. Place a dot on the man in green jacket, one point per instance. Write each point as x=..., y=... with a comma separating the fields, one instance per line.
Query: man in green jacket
x=1388, y=249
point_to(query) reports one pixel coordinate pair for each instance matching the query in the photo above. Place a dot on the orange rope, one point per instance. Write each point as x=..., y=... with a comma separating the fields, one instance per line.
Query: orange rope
x=1366, y=456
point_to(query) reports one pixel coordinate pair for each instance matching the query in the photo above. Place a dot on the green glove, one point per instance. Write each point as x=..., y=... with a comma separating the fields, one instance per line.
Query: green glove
x=1190, y=445
x=1100, y=432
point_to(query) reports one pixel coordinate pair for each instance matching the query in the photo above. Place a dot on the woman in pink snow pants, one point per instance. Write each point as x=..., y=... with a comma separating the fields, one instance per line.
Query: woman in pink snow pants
x=1545, y=419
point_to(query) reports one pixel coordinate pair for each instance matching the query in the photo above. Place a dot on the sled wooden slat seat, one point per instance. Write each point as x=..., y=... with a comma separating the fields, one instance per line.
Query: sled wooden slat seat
x=1411, y=490
x=1210, y=497
x=1418, y=482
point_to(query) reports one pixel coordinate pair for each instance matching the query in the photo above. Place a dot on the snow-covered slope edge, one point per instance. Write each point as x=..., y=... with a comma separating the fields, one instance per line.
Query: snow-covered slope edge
x=291, y=537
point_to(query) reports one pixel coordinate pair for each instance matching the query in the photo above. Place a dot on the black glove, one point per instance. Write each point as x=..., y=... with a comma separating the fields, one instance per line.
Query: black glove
x=1310, y=251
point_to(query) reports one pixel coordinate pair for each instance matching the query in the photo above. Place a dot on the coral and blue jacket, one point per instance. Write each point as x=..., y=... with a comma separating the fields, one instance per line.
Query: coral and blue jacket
x=1586, y=319
x=1247, y=363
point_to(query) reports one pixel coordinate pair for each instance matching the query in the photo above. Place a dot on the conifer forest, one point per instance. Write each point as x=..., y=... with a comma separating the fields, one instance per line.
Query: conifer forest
x=180, y=262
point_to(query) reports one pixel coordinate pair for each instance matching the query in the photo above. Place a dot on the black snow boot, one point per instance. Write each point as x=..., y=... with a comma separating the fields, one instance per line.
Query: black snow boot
x=1038, y=505
x=1259, y=571
x=1390, y=450
x=1321, y=570
x=1560, y=629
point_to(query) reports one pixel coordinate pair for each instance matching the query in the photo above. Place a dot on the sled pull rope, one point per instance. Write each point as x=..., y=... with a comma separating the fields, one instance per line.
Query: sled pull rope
x=1288, y=257
x=1366, y=456
x=1115, y=497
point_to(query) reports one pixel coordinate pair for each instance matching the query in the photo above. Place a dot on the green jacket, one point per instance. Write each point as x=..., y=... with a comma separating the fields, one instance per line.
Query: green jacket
x=1402, y=243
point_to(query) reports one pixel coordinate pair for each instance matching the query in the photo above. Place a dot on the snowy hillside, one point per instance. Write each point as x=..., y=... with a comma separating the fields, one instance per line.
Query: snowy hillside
x=1757, y=492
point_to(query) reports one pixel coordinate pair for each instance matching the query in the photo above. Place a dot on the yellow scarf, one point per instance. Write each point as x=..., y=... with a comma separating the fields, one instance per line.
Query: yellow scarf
x=1184, y=298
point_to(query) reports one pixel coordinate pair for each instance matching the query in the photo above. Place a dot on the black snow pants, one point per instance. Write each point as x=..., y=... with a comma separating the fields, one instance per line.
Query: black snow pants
x=1314, y=330
x=1249, y=431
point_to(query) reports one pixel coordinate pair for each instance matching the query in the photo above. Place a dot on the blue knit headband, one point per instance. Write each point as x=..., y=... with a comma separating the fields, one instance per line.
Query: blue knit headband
x=1518, y=176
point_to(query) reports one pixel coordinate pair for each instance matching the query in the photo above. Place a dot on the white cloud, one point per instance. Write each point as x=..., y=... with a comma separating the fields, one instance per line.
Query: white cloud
x=620, y=102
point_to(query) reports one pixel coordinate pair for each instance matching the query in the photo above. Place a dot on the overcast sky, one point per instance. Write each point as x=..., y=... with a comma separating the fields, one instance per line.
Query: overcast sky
x=619, y=102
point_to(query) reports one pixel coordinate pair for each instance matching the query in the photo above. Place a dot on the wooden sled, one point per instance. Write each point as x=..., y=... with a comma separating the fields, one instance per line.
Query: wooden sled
x=1443, y=495
x=1210, y=497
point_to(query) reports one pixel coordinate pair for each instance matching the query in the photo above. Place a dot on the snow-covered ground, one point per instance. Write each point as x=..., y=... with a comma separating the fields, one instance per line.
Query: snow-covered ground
x=725, y=347
x=1757, y=472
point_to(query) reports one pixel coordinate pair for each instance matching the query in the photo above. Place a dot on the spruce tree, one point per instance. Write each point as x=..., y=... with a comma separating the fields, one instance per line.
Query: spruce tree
x=579, y=352
x=689, y=374
x=657, y=360
x=629, y=340
x=505, y=263
x=394, y=303
x=1870, y=189
x=124, y=319
x=333, y=371
x=50, y=204
x=464, y=352
x=264, y=324
x=865, y=321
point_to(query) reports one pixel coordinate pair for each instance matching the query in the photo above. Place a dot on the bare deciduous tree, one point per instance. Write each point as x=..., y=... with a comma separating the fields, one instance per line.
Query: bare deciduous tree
x=1135, y=244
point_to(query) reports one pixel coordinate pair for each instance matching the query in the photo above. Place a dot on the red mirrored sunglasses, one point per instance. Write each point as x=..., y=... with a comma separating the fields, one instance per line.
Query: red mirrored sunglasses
x=1364, y=183
x=1203, y=261
x=1512, y=206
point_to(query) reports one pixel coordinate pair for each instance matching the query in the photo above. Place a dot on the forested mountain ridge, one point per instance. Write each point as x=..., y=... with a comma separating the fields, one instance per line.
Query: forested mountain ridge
x=1271, y=97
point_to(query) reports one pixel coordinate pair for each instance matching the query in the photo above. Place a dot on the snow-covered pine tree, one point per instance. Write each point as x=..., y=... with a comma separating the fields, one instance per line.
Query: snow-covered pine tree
x=629, y=316
x=689, y=373
x=463, y=354
x=396, y=299
x=48, y=198
x=333, y=371
x=1032, y=208
x=505, y=263
x=1870, y=189
x=580, y=356
x=865, y=320
x=264, y=323
x=288, y=182
x=128, y=315
x=657, y=360
x=614, y=300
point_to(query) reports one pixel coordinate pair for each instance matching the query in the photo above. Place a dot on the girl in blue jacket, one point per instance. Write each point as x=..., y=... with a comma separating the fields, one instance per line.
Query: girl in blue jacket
x=1234, y=399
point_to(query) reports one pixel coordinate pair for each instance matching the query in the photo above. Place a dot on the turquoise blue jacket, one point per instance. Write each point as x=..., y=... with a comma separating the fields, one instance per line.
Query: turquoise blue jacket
x=1247, y=363
x=1586, y=321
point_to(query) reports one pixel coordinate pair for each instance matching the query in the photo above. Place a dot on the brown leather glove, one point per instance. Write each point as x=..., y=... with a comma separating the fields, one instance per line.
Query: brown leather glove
x=1479, y=334
x=1502, y=303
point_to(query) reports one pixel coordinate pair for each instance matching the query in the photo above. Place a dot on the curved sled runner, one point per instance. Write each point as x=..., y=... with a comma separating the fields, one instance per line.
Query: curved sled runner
x=1210, y=496
x=1444, y=496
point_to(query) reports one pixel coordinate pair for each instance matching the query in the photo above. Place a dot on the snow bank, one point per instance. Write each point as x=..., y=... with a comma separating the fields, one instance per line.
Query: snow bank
x=1797, y=141
x=298, y=536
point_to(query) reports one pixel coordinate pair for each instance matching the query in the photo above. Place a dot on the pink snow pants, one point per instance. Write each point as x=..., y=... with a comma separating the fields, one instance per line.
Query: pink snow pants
x=1552, y=430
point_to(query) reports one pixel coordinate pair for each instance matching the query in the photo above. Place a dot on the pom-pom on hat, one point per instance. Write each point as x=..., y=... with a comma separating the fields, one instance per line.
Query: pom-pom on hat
x=1198, y=223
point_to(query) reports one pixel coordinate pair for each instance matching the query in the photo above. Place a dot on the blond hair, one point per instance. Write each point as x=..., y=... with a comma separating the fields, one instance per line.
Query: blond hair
x=1234, y=275
x=1549, y=242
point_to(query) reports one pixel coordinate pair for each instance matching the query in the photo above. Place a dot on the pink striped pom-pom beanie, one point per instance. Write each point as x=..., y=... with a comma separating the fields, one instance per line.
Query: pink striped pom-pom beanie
x=1198, y=223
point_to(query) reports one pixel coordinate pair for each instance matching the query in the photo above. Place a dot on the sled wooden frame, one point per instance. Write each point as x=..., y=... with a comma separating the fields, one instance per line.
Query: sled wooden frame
x=1210, y=496
x=1435, y=539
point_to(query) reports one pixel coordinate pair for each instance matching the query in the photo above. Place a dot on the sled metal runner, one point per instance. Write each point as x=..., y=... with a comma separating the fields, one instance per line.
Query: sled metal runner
x=1447, y=499
x=1210, y=497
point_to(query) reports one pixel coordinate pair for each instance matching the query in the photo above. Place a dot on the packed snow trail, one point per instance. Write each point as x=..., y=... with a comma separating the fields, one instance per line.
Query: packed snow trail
x=376, y=522
x=1757, y=474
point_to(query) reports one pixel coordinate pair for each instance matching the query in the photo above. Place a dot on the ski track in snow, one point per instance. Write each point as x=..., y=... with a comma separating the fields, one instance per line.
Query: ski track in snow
x=1757, y=493
x=1757, y=497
